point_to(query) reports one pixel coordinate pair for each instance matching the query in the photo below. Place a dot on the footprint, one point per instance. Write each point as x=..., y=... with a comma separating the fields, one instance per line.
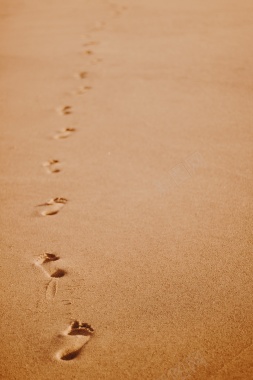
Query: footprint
x=99, y=25
x=46, y=258
x=51, y=166
x=53, y=206
x=64, y=133
x=44, y=262
x=83, y=74
x=90, y=43
x=51, y=289
x=52, y=286
x=83, y=89
x=118, y=10
x=65, y=110
x=78, y=335
x=88, y=52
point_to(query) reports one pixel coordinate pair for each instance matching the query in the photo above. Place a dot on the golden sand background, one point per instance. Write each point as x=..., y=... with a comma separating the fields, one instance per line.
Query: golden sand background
x=154, y=243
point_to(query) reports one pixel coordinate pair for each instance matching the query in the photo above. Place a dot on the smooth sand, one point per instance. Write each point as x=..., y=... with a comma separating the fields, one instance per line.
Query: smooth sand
x=131, y=121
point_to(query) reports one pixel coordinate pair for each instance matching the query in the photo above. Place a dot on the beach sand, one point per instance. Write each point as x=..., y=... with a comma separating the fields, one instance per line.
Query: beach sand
x=126, y=161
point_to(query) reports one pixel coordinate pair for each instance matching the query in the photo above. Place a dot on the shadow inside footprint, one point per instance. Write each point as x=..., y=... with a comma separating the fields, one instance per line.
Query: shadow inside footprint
x=51, y=257
x=71, y=355
x=58, y=273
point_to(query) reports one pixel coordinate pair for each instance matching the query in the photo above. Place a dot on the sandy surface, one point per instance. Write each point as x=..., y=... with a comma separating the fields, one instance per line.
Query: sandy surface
x=131, y=121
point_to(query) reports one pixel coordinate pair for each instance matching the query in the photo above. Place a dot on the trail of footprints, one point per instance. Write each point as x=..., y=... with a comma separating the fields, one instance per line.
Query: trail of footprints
x=77, y=333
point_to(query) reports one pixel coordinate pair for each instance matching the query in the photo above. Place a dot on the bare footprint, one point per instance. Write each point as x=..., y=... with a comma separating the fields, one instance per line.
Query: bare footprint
x=92, y=60
x=52, y=286
x=45, y=258
x=52, y=166
x=64, y=133
x=118, y=10
x=83, y=74
x=88, y=52
x=53, y=206
x=51, y=289
x=82, y=90
x=44, y=263
x=80, y=334
x=64, y=110
x=99, y=25
x=90, y=43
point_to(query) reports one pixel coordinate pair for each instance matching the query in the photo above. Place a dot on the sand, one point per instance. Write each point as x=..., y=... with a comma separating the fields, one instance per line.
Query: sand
x=126, y=157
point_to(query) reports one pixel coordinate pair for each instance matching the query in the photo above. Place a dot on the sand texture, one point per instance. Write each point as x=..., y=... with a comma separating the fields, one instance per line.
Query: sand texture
x=126, y=189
